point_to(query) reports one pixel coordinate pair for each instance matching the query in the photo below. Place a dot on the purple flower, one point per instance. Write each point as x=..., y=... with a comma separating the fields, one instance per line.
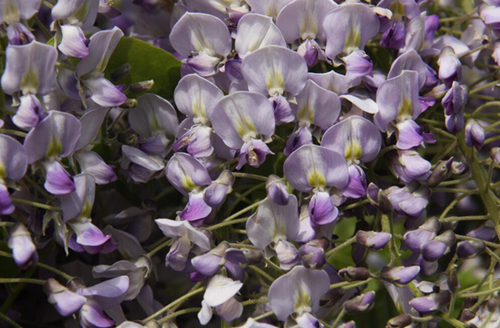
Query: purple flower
x=23, y=248
x=400, y=275
x=299, y=291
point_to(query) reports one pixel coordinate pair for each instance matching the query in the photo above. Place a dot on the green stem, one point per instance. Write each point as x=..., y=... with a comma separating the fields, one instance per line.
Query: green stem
x=255, y=301
x=261, y=272
x=486, y=105
x=480, y=178
x=42, y=27
x=42, y=265
x=243, y=211
x=13, y=133
x=264, y=315
x=226, y=223
x=465, y=218
x=351, y=206
x=243, y=195
x=487, y=243
x=178, y=313
x=341, y=246
x=454, y=322
x=223, y=165
x=470, y=52
x=172, y=304
x=159, y=247
x=452, y=204
x=9, y=320
x=21, y=280
x=484, y=86
x=455, y=190
x=249, y=176
x=36, y=204
x=339, y=318
x=37, y=187
x=454, y=182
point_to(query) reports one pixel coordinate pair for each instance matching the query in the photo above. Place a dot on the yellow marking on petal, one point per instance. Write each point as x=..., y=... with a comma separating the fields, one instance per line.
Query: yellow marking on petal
x=86, y=211
x=306, y=114
x=302, y=299
x=405, y=109
x=353, y=151
x=398, y=10
x=353, y=39
x=279, y=232
x=3, y=172
x=188, y=183
x=316, y=179
x=54, y=149
x=30, y=81
x=275, y=82
x=11, y=13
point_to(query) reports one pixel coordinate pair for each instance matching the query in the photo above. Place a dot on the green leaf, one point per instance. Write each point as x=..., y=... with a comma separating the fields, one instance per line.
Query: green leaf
x=148, y=63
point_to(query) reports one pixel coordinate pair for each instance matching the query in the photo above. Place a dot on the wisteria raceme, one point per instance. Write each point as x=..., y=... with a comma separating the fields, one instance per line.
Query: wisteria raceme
x=249, y=163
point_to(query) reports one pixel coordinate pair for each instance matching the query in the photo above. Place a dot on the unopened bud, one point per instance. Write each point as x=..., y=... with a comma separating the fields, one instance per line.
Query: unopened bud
x=121, y=72
x=453, y=282
x=142, y=86
x=468, y=249
x=400, y=321
x=130, y=103
x=277, y=190
x=399, y=275
x=361, y=303
x=379, y=199
x=474, y=134
x=312, y=256
x=354, y=273
x=440, y=173
x=495, y=155
x=350, y=324
x=431, y=303
x=372, y=240
x=459, y=168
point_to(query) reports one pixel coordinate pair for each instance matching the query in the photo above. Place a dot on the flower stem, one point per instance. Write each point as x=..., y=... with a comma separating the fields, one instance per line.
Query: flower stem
x=36, y=204
x=43, y=266
x=243, y=211
x=249, y=176
x=21, y=280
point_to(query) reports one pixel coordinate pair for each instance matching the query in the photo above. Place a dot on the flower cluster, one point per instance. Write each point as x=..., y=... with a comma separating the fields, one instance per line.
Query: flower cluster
x=250, y=163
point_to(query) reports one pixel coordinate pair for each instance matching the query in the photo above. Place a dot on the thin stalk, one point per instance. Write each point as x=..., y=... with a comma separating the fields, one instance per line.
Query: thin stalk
x=243, y=211
x=264, y=315
x=172, y=304
x=22, y=280
x=487, y=243
x=249, y=176
x=42, y=27
x=13, y=133
x=341, y=246
x=339, y=318
x=178, y=313
x=226, y=223
x=246, y=193
x=9, y=320
x=454, y=182
x=465, y=218
x=44, y=266
x=159, y=247
x=36, y=204
x=261, y=272
x=484, y=86
x=483, y=106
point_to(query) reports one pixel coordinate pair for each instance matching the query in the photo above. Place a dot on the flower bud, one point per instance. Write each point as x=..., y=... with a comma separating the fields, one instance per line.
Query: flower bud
x=216, y=193
x=65, y=301
x=354, y=273
x=313, y=253
x=253, y=256
x=399, y=275
x=127, y=138
x=459, y=168
x=495, y=155
x=379, y=199
x=417, y=239
x=433, y=250
x=474, y=134
x=361, y=303
x=431, y=303
x=401, y=321
x=350, y=324
x=130, y=103
x=142, y=86
x=121, y=72
x=450, y=67
x=373, y=240
x=277, y=190
x=440, y=173
x=468, y=249
x=23, y=248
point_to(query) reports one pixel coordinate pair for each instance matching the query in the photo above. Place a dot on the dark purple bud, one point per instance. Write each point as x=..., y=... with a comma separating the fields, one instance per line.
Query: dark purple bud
x=399, y=275
x=453, y=102
x=121, y=72
x=321, y=209
x=373, y=240
x=354, y=273
x=468, y=249
x=379, y=199
x=431, y=303
x=441, y=172
x=440, y=245
x=23, y=248
x=474, y=134
x=361, y=303
x=253, y=256
x=277, y=190
x=401, y=321
x=313, y=254
x=18, y=34
x=142, y=86
x=416, y=239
